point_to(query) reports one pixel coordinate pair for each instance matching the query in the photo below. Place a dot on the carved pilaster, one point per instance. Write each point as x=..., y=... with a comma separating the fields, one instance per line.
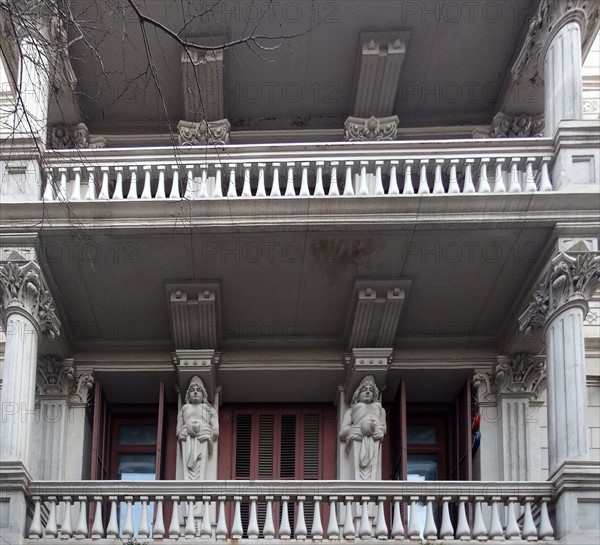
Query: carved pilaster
x=23, y=289
x=358, y=129
x=203, y=133
x=523, y=374
x=549, y=19
x=60, y=379
x=569, y=278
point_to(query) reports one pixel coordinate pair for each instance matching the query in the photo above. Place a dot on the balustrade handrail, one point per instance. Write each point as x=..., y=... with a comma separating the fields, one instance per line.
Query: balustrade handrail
x=291, y=488
x=298, y=152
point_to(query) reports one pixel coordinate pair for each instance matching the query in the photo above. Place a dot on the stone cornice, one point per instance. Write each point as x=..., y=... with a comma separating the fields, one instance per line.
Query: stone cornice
x=60, y=379
x=550, y=18
x=520, y=375
x=22, y=289
x=570, y=278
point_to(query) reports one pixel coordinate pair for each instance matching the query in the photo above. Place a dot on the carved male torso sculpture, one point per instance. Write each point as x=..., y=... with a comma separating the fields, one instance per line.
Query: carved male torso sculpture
x=363, y=428
x=197, y=430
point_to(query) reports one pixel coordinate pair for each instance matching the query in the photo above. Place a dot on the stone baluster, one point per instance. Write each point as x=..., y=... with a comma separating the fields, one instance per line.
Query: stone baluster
x=160, y=189
x=496, y=531
x=143, y=527
x=158, y=530
x=348, y=185
x=319, y=189
x=104, y=195
x=49, y=189
x=246, y=190
x=483, y=186
x=51, y=529
x=414, y=529
x=237, y=530
x=545, y=183
x=363, y=188
x=300, y=530
x=479, y=529
x=316, y=530
x=147, y=188
x=118, y=192
x=132, y=194
x=529, y=185
x=90, y=194
x=66, y=528
x=269, y=526
x=393, y=188
x=174, y=527
x=529, y=530
x=469, y=186
x=349, y=530
x=499, y=185
x=453, y=187
x=203, y=189
x=290, y=190
x=76, y=191
x=190, y=524
x=175, y=194
x=333, y=529
x=260, y=188
x=253, y=529
x=462, y=526
x=430, y=530
x=221, y=530
x=275, y=188
x=232, y=190
x=513, y=185
x=190, y=190
x=381, y=529
x=285, y=530
x=378, y=181
x=545, y=532
x=397, y=526
x=408, y=188
x=81, y=529
x=438, y=184
x=35, y=530
x=423, y=184
x=512, y=526
x=206, y=527
x=446, y=528
x=365, y=530
x=217, y=192
x=334, y=190
x=112, y=529
x=304, y=190
x=128, y=524
x=62, y=184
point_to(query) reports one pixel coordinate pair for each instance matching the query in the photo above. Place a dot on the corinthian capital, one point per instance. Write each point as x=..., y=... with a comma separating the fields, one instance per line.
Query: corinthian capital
x=22, y=287
x=570, y=278
x=520, y=374
x=550, y=17
x=61, y=379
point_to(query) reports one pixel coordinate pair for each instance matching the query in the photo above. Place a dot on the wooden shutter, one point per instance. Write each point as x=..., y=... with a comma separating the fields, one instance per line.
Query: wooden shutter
x=461, y=462
x=100, y=435
x=398, y=436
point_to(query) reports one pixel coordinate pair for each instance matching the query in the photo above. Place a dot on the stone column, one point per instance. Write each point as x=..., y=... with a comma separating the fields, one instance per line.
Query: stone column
x=508, y=399
x=562, y=74
x=27, y=310
x=559, y=307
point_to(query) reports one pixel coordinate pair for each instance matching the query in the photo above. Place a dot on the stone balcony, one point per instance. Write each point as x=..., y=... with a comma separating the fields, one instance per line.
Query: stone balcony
x=345, y=511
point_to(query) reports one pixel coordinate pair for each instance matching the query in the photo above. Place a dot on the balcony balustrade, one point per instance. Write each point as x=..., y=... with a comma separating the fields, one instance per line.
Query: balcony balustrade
x=379, y=169
x=291, y=510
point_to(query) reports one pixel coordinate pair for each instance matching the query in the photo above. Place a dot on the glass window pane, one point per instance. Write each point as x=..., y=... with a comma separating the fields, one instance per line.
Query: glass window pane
x=136, y=467
x=422, y=434
x=422, y=467
x=134, y=434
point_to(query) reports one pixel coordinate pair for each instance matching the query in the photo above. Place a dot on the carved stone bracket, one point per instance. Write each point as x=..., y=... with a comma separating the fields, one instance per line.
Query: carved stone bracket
x=569, y=278
x=202, y=132
x=550, y=17
x=366, y=361
x=359, y=129
x=201, y=363
x=522, y=374
x=521, y=126
x=22, y=287
x=74, y=136
x=61, y=379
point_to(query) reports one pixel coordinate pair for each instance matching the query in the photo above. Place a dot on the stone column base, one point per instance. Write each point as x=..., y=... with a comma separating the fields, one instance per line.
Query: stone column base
x=578, y=502
x=14, y=479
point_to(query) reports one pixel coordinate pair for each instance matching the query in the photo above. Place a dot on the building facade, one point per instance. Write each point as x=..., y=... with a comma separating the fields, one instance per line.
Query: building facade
x=300, y=271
